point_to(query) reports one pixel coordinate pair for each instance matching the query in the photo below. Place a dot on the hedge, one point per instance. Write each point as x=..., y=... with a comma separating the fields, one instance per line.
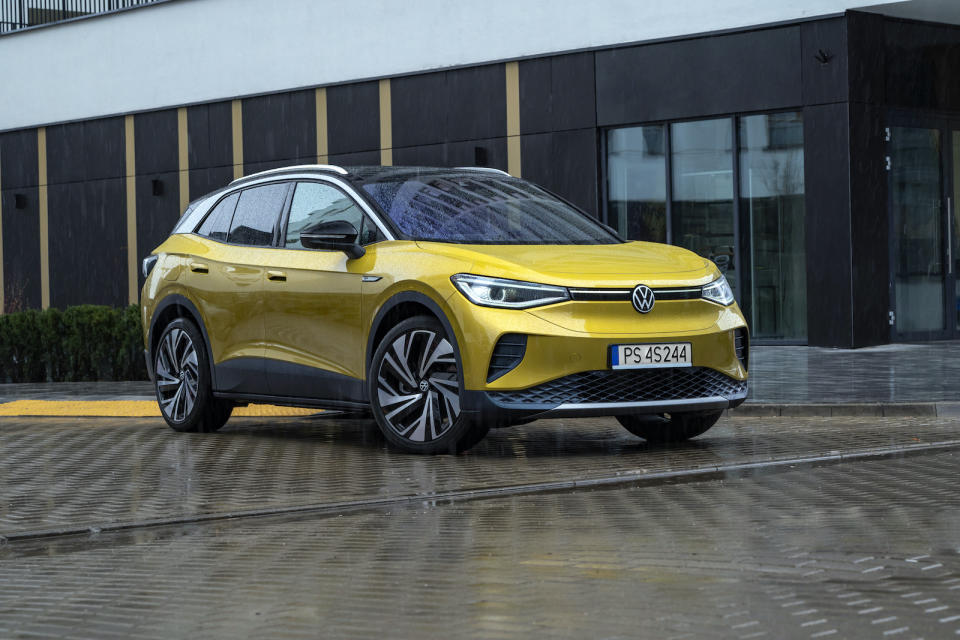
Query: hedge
x=76, y=344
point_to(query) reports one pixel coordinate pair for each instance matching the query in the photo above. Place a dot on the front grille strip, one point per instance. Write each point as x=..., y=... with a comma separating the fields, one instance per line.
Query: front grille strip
x=618, y=295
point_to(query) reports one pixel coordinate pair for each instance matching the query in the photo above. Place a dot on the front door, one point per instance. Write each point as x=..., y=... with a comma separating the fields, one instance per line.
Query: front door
x=924, y=179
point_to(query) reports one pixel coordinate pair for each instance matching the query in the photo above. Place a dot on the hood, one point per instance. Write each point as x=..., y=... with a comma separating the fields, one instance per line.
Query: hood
x=608, y=265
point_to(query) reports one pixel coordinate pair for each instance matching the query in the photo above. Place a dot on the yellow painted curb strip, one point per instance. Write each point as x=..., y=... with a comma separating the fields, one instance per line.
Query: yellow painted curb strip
x=127, y=409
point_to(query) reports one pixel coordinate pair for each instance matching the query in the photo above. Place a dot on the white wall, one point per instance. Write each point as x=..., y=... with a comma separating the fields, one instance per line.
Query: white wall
x=188, y=51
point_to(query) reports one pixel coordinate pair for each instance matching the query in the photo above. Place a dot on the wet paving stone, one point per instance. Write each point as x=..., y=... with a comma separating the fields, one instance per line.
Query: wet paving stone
x=863, y=549
x=60, y=473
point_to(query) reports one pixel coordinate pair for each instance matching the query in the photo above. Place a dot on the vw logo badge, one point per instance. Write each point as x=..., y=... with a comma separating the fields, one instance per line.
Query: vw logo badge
x=643, y=298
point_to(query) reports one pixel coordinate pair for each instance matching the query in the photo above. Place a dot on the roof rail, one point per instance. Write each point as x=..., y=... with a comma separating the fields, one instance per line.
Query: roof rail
x=294, y=169
x=487, y=169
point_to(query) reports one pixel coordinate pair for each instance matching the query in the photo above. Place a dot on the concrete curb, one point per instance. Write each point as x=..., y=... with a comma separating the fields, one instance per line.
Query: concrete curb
x=847, y=409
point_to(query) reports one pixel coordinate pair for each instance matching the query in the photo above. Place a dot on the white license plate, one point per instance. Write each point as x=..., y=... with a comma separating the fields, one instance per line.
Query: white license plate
x=649, y=356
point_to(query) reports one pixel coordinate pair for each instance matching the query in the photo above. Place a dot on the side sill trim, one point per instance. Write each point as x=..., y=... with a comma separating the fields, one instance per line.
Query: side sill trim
x=291, y=401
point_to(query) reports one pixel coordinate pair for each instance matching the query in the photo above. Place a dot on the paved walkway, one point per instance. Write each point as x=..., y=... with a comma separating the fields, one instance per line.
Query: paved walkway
x=916, y=379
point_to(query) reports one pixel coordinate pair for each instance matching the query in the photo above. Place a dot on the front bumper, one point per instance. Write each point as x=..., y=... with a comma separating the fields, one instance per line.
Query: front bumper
x=613, y=392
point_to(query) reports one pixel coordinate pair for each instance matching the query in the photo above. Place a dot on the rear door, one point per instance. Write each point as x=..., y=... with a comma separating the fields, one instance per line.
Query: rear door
x=226, y=277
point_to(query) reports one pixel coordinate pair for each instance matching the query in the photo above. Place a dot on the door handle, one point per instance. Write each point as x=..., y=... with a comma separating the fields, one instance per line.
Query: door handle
x=277, y=276
x=199, y=267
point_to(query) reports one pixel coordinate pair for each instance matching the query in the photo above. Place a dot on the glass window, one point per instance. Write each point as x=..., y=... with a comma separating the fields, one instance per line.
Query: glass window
x=256, y=216
x=771, y=192
x=702, y=207
x=637, y=182
x=314, y=202
x=217, y=223
x=483, y=209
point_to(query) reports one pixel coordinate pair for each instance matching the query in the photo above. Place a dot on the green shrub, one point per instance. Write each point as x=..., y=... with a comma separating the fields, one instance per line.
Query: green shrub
x=81, y=343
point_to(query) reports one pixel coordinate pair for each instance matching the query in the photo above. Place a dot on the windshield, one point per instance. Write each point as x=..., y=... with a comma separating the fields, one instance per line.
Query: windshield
x=474, y=208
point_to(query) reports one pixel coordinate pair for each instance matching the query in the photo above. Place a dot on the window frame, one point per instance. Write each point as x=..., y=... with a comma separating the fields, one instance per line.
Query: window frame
x=239, y=193
x=281, y=239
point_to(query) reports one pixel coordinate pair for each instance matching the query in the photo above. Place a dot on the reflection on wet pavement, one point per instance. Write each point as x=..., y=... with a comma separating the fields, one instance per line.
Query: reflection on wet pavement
x=92, y=472
x=851, y=550
x=927, y=372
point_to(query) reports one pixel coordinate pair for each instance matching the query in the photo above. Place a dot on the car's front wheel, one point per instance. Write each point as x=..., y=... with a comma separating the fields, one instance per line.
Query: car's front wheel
x=416, y=385
x=675, y=427
x=182, y=381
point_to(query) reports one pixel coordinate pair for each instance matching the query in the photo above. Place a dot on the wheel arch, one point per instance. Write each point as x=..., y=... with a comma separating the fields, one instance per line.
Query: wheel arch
x=169, y=309
x=401, y=306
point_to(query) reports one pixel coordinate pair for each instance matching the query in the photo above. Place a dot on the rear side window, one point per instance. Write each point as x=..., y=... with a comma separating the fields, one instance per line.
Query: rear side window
x=216, y=225
x=256, y=216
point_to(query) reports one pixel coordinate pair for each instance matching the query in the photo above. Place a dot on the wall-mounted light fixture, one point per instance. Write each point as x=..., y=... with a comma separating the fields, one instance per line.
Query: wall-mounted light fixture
x=479, y=156
x=157, y=186
x=19, y=201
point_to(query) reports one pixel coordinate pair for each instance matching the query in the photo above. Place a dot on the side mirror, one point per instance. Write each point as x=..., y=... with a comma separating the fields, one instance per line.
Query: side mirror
x=336, y=235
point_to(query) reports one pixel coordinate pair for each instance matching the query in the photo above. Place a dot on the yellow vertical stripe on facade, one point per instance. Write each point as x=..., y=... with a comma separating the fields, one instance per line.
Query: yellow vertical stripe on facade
x=322, y=145
x=512, y=73
x=183, y=158
x=2, y=304
x=131, y=180
x=237, y=120
x=386, y=124
x=44, y=229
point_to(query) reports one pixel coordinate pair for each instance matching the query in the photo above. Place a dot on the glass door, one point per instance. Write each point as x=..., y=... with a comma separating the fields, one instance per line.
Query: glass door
x=922, y=162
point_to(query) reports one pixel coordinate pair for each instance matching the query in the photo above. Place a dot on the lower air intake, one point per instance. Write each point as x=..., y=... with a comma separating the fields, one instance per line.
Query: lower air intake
x=639, y=385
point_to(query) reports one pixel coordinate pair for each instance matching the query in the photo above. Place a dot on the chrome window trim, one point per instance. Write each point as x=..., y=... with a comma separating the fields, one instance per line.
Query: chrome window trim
x=344, y=186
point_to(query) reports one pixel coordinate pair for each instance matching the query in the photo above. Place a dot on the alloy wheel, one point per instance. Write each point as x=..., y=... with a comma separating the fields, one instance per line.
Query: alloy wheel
x=418, y=385
x=177, y=374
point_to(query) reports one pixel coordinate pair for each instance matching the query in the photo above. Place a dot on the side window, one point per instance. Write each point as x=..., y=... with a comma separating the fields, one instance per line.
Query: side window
x=256, y=216
x=217, y=223
x=315, y=202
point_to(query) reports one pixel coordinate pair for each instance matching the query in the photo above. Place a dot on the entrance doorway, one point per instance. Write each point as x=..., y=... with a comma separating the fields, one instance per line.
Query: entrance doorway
x=924, y=186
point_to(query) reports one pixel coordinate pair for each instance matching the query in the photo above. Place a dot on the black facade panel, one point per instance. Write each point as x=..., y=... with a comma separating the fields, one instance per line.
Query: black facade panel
x=557, y=93
x=210, y=136
x=492, y=152
x=155, y=141
x=81, y=151
x=922, y=62
x=358, y=159
x=156, y=214
x=203, y=181
x=21, y=250
x=752, y=71
x=18, y=159
x=824, y=61
x=826, y=162
x=353, y=117
x=564, y=162
x=867, y=55
x=869, y=226
x=449, y=106
x=280, y=126
x=88, y=238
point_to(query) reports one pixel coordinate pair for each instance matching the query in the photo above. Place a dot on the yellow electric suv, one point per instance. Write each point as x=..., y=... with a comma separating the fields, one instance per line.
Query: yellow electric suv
x=443, y=301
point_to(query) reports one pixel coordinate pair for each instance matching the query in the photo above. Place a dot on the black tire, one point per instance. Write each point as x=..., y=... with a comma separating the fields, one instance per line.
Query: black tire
x=182, y=380
x=415, y=383
x=675, y=427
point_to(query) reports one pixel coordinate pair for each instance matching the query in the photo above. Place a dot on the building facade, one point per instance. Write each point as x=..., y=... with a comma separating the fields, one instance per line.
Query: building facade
x=814, y=157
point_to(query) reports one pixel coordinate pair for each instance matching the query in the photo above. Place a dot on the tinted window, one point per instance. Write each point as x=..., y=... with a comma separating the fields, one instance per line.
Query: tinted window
x=257, y=214
x=314, y=202
x=217, y=223
x=483, y=210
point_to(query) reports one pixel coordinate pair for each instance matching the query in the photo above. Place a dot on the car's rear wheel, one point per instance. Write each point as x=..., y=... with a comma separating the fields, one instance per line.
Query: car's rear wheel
x=674, y=427
x=416, y=385
x=182, y=383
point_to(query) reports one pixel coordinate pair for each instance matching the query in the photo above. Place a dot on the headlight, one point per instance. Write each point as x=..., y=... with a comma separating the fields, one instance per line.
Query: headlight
x=512, y=294
x=719, y=291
